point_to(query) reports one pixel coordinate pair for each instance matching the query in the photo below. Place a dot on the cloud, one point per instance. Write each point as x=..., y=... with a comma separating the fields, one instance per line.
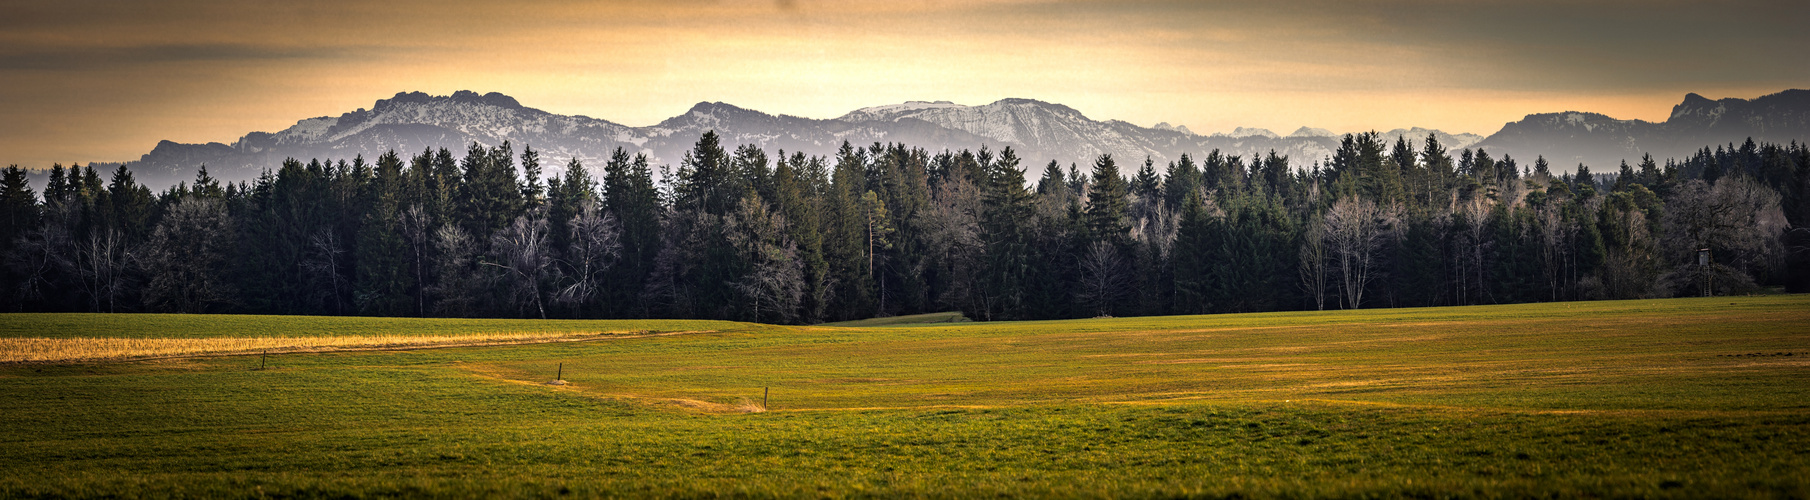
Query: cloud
x=84, y=58
x=119, y=75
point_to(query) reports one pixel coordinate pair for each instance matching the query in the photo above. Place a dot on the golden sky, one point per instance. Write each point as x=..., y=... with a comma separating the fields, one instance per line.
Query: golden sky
x=84, y=80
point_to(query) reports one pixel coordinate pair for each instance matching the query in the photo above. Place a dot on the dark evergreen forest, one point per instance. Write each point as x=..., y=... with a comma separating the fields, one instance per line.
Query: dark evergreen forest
x=888, y=229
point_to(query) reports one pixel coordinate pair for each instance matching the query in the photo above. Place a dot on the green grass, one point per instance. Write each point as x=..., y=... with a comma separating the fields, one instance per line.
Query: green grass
x=910, y=319
x=1683, y=398
x=69, y=325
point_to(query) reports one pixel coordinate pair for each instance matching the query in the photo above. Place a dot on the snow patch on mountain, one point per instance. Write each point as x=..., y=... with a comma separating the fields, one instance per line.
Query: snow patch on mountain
x=891, y=111
x=1418, y=137
x=306, y=131
x=1306, y=131
x=1174, y=128
x=1039, y=132
x=1256, y=132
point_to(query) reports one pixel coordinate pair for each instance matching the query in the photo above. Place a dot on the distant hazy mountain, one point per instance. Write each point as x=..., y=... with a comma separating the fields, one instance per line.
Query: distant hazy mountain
x=1306, y=131
x=1253, y=132
x=407, y=123
x=1173, y=128
x=412, y=122
x=1418, y=136
x=1572, y=137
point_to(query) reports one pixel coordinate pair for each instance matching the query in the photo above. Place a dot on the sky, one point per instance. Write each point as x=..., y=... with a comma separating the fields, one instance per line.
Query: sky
x=85, y=80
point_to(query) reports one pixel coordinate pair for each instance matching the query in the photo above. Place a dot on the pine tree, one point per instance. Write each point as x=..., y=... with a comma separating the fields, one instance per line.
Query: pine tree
x=1182, y=179
x=795, y=195
x=845, y=242
x=1007, y=214
x=707, y=180
x=533, y=193
x=1106, y=205
x=19, y=211
x=382, y=257
x=488, y=196
x=629, y=194
x=1194, y=250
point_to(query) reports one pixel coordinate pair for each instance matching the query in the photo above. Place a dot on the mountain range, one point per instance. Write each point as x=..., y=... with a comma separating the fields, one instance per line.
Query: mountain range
x=411, y=122
x=1569, y=138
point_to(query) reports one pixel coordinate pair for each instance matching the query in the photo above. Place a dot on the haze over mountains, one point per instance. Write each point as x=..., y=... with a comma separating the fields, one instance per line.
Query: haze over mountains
x=1572, y=137
x=1039, y=131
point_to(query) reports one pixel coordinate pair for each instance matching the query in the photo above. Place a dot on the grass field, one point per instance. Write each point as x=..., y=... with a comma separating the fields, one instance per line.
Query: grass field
x=1682, y=398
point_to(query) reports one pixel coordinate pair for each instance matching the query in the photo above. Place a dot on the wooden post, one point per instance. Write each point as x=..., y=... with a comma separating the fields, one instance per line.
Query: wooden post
x=764, y=391
x=263, y=358
x=562, y=372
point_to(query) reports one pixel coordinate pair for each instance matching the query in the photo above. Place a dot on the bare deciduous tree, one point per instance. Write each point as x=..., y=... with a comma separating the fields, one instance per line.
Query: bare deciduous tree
x=594, y=247
x=417, y=232
x=774, y=282
x=1473, y=246
x=99, y=263
x=1104, y=278
x=1738, y=219
x=952, y=237
x=1356, y=229
x=42, y=253
x=456, y=284
x=322, y=266
x=522, y=255
x=1555, y=236
x=186, y=254
x=1313, y=258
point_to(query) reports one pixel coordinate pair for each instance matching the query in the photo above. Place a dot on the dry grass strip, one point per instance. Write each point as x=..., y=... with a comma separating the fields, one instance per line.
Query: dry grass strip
x=40, y=350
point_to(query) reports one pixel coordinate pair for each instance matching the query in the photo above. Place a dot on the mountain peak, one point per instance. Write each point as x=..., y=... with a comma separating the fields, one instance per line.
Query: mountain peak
x=892, y=112
x=1251, y=131
x=1174, y=128
x=1019, y=101
x=463, y=96
x=1306, y=131
x=707, y=107
x=492, y=98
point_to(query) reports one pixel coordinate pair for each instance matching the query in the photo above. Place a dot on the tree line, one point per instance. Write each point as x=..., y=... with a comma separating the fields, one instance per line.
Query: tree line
x=888, y=229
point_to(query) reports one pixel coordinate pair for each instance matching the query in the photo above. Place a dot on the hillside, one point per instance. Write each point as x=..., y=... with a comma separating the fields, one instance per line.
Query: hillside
x=1602, y=142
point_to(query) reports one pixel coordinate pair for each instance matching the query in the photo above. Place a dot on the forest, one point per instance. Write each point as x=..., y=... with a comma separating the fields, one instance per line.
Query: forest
x=889, y=229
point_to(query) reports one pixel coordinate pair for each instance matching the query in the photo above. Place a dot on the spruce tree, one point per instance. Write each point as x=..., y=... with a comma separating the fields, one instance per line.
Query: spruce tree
x=630, y=195
x=1106, y=205
x=382, y=258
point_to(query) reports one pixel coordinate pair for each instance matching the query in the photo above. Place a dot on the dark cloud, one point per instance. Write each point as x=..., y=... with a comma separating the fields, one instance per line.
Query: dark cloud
x=1602, y=44
x=1582, y=45
x=85, y=58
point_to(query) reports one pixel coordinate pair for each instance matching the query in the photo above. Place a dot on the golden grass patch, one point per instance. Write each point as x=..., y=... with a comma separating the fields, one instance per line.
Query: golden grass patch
x=16, y=350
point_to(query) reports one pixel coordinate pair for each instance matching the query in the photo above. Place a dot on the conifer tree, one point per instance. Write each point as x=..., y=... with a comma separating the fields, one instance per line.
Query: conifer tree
x=795, y=195
x=382, y=258
x=845, y=242
x=19, y=211
x=630, y=195
x=1106, y=204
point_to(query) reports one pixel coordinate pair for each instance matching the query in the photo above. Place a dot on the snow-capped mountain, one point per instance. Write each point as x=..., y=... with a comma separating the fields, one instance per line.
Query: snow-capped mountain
x=1253, y=132
x=1418, y=136
x=1041, y=132
x=408, y=124
x=1173, y=128
x=1306, y=131
x=412, y=122
x=1038, y=130
x=1569, y=138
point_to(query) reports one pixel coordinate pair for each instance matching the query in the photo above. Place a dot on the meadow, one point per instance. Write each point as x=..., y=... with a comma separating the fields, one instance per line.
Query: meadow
x=1677, y=398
